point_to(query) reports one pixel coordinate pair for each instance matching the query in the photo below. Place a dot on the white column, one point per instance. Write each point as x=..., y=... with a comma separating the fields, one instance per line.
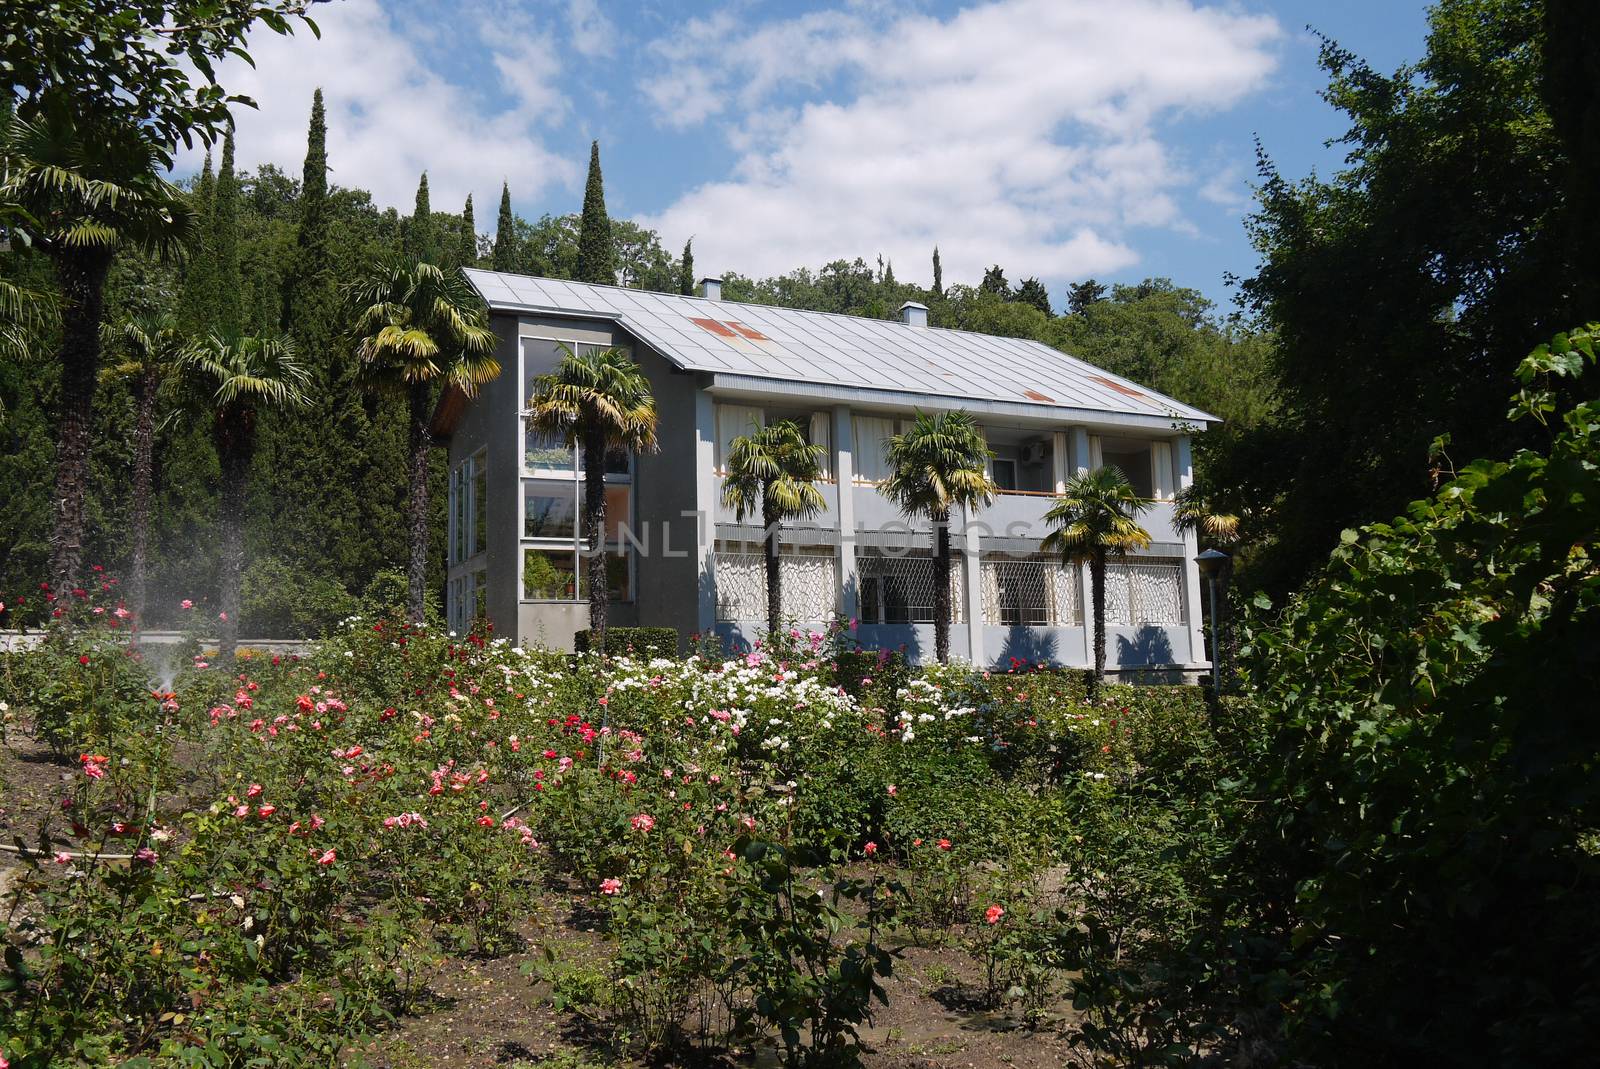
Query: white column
x=1194, y=607
x=1080, y=466
x=706, y=490
x=972, y=590
x=844, y=473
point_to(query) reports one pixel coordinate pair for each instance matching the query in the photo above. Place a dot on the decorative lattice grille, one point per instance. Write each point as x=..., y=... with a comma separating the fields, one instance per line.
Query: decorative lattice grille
x=899, y=590
x=1144, y=591
x=810, y=578
x=1030, y=593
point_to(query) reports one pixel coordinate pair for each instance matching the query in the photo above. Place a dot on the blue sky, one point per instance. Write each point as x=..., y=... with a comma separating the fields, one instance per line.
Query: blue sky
x=1059, y=138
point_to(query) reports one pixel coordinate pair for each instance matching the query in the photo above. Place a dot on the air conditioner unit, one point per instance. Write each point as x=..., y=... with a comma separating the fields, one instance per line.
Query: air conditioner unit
x=1034, y=452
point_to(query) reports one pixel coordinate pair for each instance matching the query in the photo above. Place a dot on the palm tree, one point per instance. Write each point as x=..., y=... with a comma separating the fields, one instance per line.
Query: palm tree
x=80, y=195
x=937, y=465
x=232, y=379
x=153, y=348
x=417, y=325
x=774, y=469
x=1094, y=519
x=600, y=400
x=1192, y=512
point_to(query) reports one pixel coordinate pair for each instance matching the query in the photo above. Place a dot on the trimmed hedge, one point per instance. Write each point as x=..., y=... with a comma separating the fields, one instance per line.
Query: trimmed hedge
x=643, y=641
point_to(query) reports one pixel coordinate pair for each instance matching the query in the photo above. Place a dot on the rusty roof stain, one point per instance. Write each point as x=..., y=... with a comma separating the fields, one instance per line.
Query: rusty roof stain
x=1035, y=395
x=714, y=327
x=749, y=332
x=1115, y=385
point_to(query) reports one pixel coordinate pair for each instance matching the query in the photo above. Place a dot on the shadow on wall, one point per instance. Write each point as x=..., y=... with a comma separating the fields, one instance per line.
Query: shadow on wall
x=1029, y=645
x=1149, y=645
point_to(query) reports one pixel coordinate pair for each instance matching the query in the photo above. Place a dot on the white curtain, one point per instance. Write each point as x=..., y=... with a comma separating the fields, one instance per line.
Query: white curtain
x=872, y=434
x=822, y=434
x=1096, y=460
x=734, y=421
x=1161, y=460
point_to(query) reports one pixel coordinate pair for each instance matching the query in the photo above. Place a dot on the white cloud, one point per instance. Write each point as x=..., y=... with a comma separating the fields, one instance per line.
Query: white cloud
x=390, y=116
x=593, y=34
x=1028, y=132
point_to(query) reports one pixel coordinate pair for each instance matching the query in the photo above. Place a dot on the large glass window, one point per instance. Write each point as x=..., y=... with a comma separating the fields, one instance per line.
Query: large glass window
x=549, y=574
x=549, y=509
x=480, y=503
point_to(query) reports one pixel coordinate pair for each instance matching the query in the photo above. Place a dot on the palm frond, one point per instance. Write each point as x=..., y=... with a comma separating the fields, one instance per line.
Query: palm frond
x=937, y=465
x=1098, y=512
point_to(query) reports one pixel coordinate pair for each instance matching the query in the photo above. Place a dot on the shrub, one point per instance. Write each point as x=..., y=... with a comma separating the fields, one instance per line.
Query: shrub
x=279, y=599
x=641, y=642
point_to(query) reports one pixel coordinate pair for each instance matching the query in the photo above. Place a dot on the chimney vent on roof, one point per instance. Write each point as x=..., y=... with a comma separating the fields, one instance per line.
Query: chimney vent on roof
x=913, y=314
x=711, y=289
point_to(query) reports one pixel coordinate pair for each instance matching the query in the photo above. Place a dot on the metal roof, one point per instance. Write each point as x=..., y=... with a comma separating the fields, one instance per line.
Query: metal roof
x=823, y=348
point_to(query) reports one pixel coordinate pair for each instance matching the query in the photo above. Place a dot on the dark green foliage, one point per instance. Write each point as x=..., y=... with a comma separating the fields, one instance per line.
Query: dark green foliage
x=503, y=257
x=1081, y=295
x=421, y=244
x=1403, y=289
x=224, y=247
x=467, y=255
x=686, y=279
x=994, y=281
x=282, y=600
x=597, y=258
x=1032, y=292
x=1436, y=754
x=631, y=641
x=199, y=297
x=938, y=274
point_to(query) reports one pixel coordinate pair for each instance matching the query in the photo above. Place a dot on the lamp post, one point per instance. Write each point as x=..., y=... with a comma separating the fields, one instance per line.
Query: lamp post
x=1211, y=563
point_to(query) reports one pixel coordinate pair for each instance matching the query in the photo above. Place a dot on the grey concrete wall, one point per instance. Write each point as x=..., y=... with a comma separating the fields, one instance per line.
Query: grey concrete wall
x=667, y=579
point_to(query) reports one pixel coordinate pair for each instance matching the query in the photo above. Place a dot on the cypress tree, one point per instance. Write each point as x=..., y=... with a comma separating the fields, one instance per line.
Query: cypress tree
x=686, y=269
x=505, y=234
x=421, y=241
x=888, y=273
x=308, y=313
x=938, y=274
x=229, y=310
x=597, y=257
x=469, y=237
x=199, y=310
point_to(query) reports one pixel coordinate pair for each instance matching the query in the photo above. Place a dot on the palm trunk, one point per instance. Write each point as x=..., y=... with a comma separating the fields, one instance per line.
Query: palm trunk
x=82, y=278
x=235, y=436
x=594, y=529
x=941, y=587
x=769, y=545
x=143, y=447
x=417, y=513
x=1097, y=594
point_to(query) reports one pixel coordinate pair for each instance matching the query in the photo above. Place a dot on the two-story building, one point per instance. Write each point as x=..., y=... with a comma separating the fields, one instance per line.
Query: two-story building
x=680, y=558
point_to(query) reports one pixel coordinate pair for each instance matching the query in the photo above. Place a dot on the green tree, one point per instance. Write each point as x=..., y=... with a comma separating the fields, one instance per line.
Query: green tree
x=994, y=281
x=686, y=279
x=598, y=400
x=940, y=464
x=310, y=300
x=1081, y=295
x=143, y=68
x=416, y=327
x=938, y=274
x=468, y=254
x=83, y=194
x=153, y=349
x=505, y=234
x=421, y=234
x=597, y=257
x=1095, y=519
x=233, y=379
x=223, y=242
x=1032, y=292
x=1417, y=870
x=199, y=298
x=1401, y=289
x=774, y=470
